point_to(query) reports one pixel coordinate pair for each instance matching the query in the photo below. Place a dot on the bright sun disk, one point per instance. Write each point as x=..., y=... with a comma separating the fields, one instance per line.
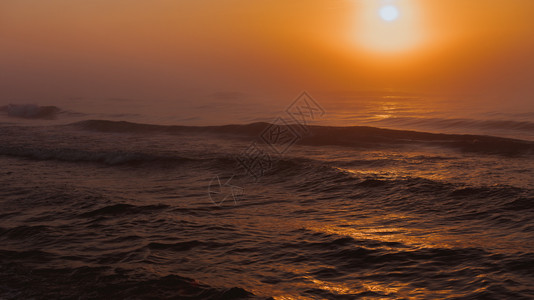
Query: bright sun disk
x=389, y=13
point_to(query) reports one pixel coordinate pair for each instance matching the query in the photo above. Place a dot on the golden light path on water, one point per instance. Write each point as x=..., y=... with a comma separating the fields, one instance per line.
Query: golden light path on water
x=411, y=237
x=373, y=227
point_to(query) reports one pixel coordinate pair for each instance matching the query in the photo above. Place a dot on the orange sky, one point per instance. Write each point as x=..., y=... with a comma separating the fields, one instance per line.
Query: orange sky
x=161, y=49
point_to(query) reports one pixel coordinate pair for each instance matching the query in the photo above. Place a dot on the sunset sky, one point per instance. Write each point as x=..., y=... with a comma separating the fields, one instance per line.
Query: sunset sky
x=165, y=49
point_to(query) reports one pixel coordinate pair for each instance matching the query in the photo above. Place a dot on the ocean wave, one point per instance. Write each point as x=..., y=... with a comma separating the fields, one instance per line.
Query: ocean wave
x=31, y=111
x=123, y=209
x=130, y=127
x=20, y=282
x=78, y=155
x=24, y=232
x=419, y=195
x=520, y=204
x=461, y=123
x=371, y=137
x=343, y=257
x=353, y=136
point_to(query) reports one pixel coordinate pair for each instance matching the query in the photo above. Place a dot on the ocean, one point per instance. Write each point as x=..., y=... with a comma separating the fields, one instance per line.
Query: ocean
x=380, y=200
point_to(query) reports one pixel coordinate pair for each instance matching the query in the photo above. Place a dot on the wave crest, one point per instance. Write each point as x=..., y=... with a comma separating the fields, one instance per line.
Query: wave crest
x=31, y=111
x=353, y=136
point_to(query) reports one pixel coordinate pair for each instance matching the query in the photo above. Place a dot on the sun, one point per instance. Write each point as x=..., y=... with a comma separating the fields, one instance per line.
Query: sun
x=389, y=13
x=388, y=26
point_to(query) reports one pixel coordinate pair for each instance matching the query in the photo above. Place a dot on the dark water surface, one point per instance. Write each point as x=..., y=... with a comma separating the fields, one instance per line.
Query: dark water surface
x=104, y=209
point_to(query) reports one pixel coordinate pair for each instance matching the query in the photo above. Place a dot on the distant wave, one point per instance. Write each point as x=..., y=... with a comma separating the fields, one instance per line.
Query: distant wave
x=31, y=111
x=77, y=155
x=123, y=126
x=371, y=136
x=353, y=136
x=111, y=158
x=460, y=123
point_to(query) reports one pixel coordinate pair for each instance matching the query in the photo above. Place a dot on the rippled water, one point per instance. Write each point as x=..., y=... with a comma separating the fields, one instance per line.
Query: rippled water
x=102, y=209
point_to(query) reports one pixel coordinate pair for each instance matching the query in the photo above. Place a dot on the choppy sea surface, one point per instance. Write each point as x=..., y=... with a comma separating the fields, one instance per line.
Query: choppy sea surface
x=113, y=208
